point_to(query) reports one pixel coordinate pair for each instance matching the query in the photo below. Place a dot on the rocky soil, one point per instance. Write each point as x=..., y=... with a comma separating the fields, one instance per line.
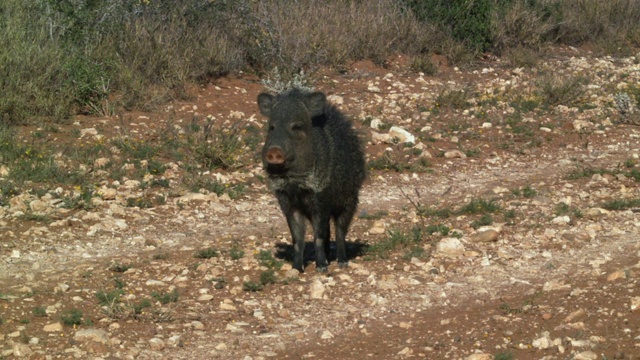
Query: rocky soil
x=553, y=274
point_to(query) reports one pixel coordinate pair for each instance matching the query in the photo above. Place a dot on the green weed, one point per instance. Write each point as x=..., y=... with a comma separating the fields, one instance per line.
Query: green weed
x=206, y=253
x=266, y=259
x=166, y=297
x=72, y=317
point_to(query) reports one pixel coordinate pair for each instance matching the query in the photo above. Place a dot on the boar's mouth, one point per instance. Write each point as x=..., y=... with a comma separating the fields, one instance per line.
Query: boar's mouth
x=276, y=169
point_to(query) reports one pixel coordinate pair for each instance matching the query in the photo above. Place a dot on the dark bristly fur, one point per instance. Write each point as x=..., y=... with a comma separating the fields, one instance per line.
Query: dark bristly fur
x=315, y=167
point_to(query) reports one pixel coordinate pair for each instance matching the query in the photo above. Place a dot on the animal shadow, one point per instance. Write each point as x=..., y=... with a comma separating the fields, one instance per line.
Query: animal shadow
x=354, y=249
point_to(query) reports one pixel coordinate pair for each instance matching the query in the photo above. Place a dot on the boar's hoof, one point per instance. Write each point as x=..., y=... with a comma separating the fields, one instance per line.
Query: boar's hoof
x=343, y=265
x=322, y=269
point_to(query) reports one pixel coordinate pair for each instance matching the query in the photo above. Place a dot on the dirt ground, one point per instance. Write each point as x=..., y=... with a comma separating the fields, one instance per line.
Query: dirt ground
x=551, y=272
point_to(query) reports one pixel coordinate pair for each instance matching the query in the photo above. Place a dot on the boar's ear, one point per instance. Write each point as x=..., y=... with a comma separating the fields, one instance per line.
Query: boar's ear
x=315, y=103
x=265, y=103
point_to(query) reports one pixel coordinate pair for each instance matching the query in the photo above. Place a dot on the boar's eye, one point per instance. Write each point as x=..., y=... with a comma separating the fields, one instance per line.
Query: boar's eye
x=297, y=127
x=271, y=127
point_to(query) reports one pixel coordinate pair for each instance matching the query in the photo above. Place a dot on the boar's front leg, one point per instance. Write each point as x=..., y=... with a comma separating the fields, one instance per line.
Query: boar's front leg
x=296, y=219
x=321, y=231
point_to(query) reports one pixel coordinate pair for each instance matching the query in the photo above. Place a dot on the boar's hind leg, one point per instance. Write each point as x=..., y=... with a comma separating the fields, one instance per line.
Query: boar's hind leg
x=295, y=219
x=321, y=238
x=342, y=221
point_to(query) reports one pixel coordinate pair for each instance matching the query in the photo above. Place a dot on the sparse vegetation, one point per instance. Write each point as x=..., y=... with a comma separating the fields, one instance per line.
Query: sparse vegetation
x=395, y=239
x=110, y=298
x=72, y=317
x=266, y=259
x=251, y=286
x=166, y=297
x=479, y=206
x=39, y=311
x=622, y=204
x=206, y=253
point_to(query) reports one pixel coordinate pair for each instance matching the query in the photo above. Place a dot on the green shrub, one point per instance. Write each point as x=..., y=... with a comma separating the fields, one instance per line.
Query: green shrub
x=72, y=317
x=468, y=21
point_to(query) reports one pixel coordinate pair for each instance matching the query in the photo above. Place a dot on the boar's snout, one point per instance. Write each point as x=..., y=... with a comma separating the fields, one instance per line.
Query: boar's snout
x=274, y=156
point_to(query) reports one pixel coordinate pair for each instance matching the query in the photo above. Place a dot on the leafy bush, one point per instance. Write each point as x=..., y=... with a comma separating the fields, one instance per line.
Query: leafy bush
x=468, y=21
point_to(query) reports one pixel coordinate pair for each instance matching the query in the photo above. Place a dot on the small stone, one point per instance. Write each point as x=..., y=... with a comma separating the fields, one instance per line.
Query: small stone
x=21, y=350
x=108, y=193
x=316, y=290
x=616, y=275
x=452, y=154
x=480, y=356
x=205, y=297
x=229, y=307
x=586, y=355
x=100, y=162
x=407, y=351
x=335, y=99
x=402, y=135
x=38, y=206
x=575, y=315
x=61, y=288
x=635, y=303
x=52, y=327
x=576, y=236
x=197, y=325
x=326, y=335
x=221, y=347
x=387, y=285
x=554, y=285
x=543, y=342
x=152, y=282
x=94, y=335
x=376, y=124
x=450, y=247
x=378, y=138
x=292, y=274
x=561, y=220
x=486, y=234
x=88, y=132
x=377, y=228
x=156, y=344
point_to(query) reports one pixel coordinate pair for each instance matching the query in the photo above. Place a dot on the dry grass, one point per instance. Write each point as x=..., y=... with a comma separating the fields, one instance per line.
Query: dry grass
x=109, y=55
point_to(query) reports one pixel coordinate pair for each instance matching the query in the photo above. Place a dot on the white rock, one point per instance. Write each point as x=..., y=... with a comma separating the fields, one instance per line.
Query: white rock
x=38, y=206
x=378, y=138
x=376, y=123
x=229, y=307
x=326, y=335
x=336, y=99
x=553, y=285
x=450, y=247
x=377, y=228
x=452, y=154
x=94, y=335
x=55, y=327
x=544, y=342
x=108, y=193
x=481, y=356
x=156, y=344
x=586, y=355
x=21, y=350
x=316, y=290
x=561, y=220
x=88, y=132
x=635, y=303
x=402, y=135
x=205, y=297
